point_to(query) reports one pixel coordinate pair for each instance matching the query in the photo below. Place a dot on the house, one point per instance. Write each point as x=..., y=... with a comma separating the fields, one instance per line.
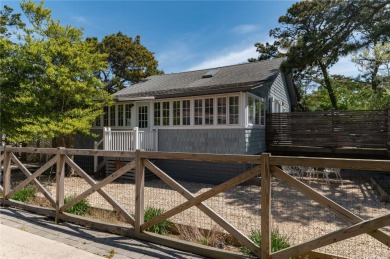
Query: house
x=217, y=110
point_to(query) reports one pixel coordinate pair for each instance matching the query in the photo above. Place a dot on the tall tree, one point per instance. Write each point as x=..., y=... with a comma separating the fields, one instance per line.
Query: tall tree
x=48, y=83
x=128, y=60
x=318, y=32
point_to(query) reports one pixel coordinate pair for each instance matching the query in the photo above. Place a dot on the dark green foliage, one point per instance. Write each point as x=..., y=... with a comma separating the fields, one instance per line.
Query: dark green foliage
x=161, y=228
x=278, y=241
x=128, y=61
x=24, y=194
x=80, y=208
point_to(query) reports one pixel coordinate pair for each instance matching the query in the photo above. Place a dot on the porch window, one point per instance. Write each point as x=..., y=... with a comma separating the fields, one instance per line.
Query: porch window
x=251, y=111
x=198, y=111
x=105, y=117
x=186, y=112
x=176, y=112
x=209, y=111
x=112, y=116
x=233, y=110
x=165, y=110
x=221, y=107
x=256, y=111
x=143, y=117
x=157, y=110
x=128, y=114
x=120, y=115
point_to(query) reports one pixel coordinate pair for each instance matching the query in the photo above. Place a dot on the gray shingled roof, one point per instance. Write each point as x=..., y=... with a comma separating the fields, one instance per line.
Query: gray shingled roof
x=229, y=79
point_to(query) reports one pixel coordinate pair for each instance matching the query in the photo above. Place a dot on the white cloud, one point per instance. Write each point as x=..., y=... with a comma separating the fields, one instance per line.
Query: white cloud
x=231, y=57
x=245, y=28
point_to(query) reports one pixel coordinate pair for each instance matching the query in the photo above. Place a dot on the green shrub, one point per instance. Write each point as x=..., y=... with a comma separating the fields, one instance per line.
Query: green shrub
x=80, y=208
x=163, y=227
x=278, y=241
x=24, y=194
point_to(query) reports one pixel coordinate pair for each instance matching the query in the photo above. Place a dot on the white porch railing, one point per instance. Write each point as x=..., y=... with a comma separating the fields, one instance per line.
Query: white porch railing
x=130, y=140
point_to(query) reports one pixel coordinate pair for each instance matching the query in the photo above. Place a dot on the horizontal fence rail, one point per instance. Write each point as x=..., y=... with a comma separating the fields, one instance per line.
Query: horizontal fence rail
x=264, y=165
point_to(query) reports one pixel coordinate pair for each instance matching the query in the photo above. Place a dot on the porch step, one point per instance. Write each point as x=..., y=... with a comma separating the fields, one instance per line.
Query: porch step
x=113, y=164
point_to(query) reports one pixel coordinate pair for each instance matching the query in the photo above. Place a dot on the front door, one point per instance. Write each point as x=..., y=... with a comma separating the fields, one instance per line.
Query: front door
x=143, y=116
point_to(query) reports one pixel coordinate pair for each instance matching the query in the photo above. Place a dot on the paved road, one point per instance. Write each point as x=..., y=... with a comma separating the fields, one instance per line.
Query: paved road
x=28, y=235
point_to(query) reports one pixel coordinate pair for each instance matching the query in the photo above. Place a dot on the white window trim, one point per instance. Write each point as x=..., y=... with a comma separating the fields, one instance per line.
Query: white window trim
x=260, y=99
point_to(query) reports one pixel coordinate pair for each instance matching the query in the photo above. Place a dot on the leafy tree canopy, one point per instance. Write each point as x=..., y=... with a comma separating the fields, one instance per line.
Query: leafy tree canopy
x=48, y=83
x=317, y=33
x=128, y=60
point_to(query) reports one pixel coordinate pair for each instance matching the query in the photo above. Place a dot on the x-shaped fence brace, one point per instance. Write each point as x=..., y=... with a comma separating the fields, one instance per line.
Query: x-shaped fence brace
x=359, y=226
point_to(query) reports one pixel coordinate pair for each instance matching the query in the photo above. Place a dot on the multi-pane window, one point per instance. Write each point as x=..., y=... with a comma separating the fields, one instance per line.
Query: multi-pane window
x=176, y=112
x=143, y=116
x=257, y=108
x=256, y=111
x=128, y=114
x=262, y=112
x=221, y=107
x=209, y=111
x=233, y=110
x=165, y=113
x=112, y=116
x=120, y=115
x=186, y=112
x=105, y=117
x=157, y=117
x=251, y=110
x=198, y=111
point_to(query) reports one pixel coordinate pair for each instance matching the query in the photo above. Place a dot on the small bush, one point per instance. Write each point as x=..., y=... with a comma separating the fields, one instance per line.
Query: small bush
x=80, y=208
x=24, y=194
x=278, y=241
x=163, y=227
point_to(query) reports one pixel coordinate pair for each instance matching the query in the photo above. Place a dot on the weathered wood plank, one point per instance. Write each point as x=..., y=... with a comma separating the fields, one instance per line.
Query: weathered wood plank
x=60, y=185
x=344, y=163
x=139, y=192
x=217, y=158
x=202, y=197
x=35, y=181
x=103, y=193
x=327, y=203
x=334, y=237
x=265, y=206
x=204, y=208
x=33, y=176
x=97, y=186
x=50, y=212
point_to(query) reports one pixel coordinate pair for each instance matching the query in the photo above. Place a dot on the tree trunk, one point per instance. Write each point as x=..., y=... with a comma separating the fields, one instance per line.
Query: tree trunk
x=328, y=85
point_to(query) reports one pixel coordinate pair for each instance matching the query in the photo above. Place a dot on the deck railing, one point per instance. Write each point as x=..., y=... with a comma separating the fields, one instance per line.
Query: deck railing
x=130, y=140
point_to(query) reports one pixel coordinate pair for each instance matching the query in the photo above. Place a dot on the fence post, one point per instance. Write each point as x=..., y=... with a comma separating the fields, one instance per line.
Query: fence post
x=265, y=206
x=136, y=138
x=388, y=132
x=95, y=157
x=139, y=192
x=6, y=173
x=155, y=140
x=60, y=175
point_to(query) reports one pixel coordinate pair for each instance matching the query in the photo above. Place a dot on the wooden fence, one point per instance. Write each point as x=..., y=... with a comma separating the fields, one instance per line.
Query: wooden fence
x=264, y=165
x=367, y=132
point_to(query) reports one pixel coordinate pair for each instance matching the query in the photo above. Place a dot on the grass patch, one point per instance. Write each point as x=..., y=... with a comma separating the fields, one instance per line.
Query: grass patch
x=214, y=237
x=80, y=208
x=278, y=241
x=163, y=227
x=24, y=194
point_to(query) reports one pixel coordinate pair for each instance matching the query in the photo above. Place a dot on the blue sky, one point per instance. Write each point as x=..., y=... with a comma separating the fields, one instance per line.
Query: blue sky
x=184, y=35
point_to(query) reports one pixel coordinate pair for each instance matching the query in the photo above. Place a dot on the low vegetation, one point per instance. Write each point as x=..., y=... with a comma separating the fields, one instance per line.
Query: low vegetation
x=24, y=194
x=278, y=241
x=163, y=227
x=80, y=208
